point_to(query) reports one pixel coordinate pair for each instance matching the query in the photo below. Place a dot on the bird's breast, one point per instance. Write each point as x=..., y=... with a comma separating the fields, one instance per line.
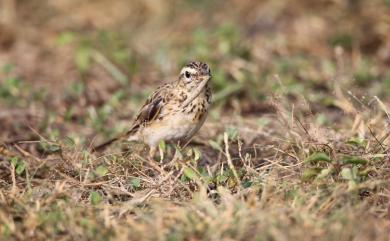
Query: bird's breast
x=175, y=122
x=176, y=125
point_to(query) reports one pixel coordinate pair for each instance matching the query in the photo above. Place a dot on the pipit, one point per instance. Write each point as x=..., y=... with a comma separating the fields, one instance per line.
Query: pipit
x=174, y=112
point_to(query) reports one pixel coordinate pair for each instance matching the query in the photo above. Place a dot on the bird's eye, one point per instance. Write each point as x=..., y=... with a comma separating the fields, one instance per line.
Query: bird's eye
x=187, y=74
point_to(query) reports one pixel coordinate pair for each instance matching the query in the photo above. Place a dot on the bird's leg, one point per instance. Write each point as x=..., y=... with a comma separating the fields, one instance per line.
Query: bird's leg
x=178, y=154
x=152, y=152
x=152, y=163
x=178, y=145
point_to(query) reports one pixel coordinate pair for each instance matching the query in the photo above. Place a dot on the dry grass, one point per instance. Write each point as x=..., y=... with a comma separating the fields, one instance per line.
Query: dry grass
x=296, y=146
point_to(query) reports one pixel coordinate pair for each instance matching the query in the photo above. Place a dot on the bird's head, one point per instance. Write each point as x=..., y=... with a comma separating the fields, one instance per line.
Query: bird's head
x=194, y=74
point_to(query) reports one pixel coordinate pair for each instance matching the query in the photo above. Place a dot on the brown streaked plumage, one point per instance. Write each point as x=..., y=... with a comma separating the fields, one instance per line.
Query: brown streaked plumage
x=174, y=112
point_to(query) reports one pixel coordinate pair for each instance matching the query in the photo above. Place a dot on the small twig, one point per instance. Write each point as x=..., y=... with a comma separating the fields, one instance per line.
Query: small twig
x=288, y=168
x=229, y=158
x=376, y=139
x=137, y=201
x=239, y=146
x=152, y=164
x=79, y=183
x=37, y=133
x=175, y=180
x=93, y=184
x=383, y=106
x=26, y=154
x=385, y=137
x=303, y=127
x=110, y=67
x=290, y=155
x=14, y=187
x=357, y=99
x=2, y=197
x=118, y=190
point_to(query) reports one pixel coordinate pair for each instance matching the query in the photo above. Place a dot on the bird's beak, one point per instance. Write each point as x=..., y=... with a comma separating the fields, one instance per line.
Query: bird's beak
x=206, y=78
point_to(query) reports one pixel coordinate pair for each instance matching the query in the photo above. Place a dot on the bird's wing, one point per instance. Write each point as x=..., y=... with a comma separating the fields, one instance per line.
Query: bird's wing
x=152, y=108
x=150, y=111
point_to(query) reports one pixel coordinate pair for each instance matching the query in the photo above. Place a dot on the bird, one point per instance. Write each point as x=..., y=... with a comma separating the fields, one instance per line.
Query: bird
x=174, y=112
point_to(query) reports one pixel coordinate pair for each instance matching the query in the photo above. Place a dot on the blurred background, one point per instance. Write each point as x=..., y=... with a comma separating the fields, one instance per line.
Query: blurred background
x=82, y=67
x=298, y=133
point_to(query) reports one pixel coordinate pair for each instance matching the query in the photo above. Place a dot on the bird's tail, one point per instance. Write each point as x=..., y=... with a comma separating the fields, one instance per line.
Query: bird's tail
x=103, y=146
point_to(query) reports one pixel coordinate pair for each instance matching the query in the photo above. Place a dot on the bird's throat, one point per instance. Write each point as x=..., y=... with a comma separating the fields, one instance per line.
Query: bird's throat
x=196, y=93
